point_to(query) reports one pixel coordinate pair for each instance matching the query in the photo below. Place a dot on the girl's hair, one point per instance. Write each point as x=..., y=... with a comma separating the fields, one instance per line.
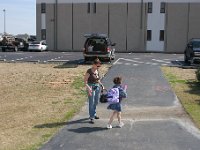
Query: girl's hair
x=96, y=61
x=117, y=80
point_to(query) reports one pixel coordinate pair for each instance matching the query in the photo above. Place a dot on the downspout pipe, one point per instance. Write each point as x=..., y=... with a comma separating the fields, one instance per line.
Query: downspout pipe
x=141, y=13
x=55, y=24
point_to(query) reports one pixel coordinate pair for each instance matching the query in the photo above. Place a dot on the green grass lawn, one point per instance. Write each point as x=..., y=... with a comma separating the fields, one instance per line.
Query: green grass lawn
x=37, y=100
x=187, y=89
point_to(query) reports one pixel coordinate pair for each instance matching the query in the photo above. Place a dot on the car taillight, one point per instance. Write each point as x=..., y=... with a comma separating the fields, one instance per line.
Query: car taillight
x=108, y=49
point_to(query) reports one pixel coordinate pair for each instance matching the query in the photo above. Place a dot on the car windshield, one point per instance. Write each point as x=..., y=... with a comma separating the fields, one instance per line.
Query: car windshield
x=94, y=41
x=196, y=44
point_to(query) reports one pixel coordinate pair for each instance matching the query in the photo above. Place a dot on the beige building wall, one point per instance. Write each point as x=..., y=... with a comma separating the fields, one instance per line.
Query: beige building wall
x=81, y=24
x=117, y=28
x=121, y=21
x=99, y=20
x=38, y=21
x=135, y=27
x=194, y=21
x=88, y=22
x=50, y=26
x=176, y=27
x=64, y=27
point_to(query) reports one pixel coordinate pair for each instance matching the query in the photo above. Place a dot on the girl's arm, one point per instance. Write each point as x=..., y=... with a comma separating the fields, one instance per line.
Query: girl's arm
x=122, y=93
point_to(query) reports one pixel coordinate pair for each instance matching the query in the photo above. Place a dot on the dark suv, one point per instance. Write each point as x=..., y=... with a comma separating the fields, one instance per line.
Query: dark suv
x=192, y=51
x=98, y=45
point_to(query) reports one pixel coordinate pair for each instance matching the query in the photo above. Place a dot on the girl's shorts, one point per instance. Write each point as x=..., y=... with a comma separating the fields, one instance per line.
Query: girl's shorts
x=116, y=107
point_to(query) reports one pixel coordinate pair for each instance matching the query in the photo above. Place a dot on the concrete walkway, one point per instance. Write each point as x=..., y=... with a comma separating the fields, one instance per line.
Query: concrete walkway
x=153, y=117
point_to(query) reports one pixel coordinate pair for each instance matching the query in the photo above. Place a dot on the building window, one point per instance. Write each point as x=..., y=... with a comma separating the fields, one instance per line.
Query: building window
x=43, y=34
x=43, y=8
x=162, y=35
x=150, y=7
x=88, y=8
x=162, y=7
x=95, y=8
x=148, y=35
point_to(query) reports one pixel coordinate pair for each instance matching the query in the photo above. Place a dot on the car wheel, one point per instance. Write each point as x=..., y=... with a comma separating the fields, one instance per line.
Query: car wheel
x=109, y=59
x=187, y=60
x=86, y=59
x=3, y=49
x=113, y=57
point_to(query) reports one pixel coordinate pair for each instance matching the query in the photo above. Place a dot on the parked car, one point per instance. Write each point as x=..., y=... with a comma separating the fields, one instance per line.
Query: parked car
x=10, y=43
x=22, y=44
x=192, y=51
x=38, y=46
x=98, y=45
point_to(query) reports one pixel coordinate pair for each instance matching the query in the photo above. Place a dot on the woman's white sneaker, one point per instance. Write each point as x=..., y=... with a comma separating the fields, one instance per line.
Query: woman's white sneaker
x=109, y=126
x=121, y=124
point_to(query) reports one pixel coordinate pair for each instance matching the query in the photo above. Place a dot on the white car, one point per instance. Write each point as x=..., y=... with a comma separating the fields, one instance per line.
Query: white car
x=38, y=46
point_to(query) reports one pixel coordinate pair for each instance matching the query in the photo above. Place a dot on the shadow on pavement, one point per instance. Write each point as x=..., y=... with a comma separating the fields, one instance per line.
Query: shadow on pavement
x=58, y=124
x=87, y=129
x=75, y=63
x=178, y=63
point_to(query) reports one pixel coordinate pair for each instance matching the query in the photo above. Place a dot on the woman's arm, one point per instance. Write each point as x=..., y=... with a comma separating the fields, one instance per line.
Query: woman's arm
x=86, y=83
x=101, y=84
x=99, y=81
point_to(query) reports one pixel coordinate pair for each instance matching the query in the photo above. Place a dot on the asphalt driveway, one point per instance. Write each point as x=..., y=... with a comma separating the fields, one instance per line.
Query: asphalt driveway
x=153, y=117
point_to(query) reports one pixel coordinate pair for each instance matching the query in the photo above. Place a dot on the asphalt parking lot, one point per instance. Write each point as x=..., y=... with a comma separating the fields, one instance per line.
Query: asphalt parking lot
x=132, y=59
x=135, y=59
x=40, y=57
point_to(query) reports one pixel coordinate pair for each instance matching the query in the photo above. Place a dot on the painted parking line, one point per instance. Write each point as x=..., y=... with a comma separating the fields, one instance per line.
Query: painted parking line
x=154, y=64
x=164, y=64
x=127, y=64
x=140, y=62
x=148, y=63
x=20, y=59
x=57, y=60
x=2, y=59
x=135, y=64
x=161, y=61
x=116, y=61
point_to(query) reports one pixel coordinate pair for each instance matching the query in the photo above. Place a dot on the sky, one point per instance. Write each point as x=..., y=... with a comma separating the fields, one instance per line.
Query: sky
x=20, y=16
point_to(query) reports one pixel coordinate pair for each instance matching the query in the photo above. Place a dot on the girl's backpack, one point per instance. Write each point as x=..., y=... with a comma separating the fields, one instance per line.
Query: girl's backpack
x=113, y=95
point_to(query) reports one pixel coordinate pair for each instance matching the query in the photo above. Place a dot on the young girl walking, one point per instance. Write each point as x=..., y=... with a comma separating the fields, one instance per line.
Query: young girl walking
x=116, y=107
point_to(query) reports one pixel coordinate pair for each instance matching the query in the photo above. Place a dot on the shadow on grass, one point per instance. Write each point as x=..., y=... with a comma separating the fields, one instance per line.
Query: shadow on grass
x=197, y=101
x=60, y=124
x=194, y=89
x=70, y=64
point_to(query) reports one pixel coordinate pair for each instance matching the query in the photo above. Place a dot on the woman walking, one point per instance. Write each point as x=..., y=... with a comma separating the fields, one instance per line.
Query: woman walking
x=93, y=83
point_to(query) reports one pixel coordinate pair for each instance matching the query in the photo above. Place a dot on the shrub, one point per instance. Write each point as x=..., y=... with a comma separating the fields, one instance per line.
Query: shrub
x=198, y=74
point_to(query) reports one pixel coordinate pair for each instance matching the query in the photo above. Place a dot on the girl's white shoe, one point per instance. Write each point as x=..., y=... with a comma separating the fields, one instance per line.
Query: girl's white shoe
x=109, y=126
x=121, y=124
